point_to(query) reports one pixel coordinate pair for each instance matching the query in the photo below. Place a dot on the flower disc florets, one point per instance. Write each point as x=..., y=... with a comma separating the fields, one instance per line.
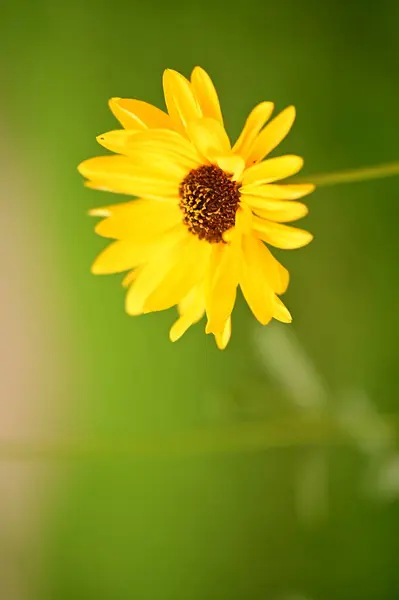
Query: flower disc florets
x=209, y=201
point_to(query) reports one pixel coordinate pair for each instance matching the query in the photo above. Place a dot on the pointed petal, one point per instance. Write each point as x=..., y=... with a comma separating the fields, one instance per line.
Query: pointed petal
x=278, y=191
x=101, y=211
x=274, y=272
x=150, y=160
x=254, y=123
x=282, y=211
x=273, y=169
x=130, y=277
x=101, y=187
x=115, y=140
x=223, y=338
x=180, y=327
x=281, y=236
x=281, y=312
x=221, y=285
x=159, y=142
x=188, y=270
x=140, y=220
x=271, y=136
x=206, y=94
x=121, y=256
x=283, y=276
x=170, y=143
x=152, y=274
x=138, y=115
x=232, y=164
x=180, y=100
x=255, y=286
x=123, y=175
x=209, y=137
x=191, y=310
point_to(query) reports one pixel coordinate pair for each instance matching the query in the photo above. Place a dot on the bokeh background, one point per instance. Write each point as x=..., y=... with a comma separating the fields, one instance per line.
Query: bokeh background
x=131, y=468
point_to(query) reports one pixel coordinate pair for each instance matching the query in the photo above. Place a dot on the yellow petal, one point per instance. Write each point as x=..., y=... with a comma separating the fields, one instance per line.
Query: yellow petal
x=243, y=220
x=272, y=135
x=281, y=312
x=278, y=191
x=274, y=272
x=152, y=274
x=206, y=95
x=121, y=207
x=233, y=165
x=180, y=327
x=126, y=207
x=130, y=277
x=223, y=338
x=221, y=285
x=193, y=302
x=191, y=310
x=242, y=225
x=102, y=211
x=160, y=143
x=255, y=286
x=188, y=270
x=155, y=159
x=254, y=123
x=100, y=186
x=180, y=100
x=169, y=143
x=138, y=115
x=209, y=137
x=115, y=140
x=140, y=220
x=282, y=211
x=284, y=277
x=281, y=236
x=121, y=256
x=273, y=169
x=123, y=175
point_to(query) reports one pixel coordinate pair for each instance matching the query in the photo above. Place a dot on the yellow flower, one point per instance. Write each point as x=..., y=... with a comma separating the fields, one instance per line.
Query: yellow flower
x=204, y=207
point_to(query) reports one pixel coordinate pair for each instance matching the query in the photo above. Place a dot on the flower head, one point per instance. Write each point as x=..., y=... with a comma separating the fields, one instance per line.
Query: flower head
x=204, y=208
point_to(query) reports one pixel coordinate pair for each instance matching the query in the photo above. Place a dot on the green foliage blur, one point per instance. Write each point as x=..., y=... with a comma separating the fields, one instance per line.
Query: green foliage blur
x=225, y=496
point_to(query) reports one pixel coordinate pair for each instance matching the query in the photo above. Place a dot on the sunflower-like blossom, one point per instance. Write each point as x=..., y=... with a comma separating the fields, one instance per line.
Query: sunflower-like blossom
x=205, y=211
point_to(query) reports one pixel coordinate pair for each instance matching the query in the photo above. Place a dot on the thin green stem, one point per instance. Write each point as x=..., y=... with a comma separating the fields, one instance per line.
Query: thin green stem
x=355, y=175
x=242, y=437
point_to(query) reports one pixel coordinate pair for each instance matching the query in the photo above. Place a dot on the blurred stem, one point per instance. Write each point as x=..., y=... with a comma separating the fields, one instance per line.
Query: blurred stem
x=356, y=175
x=241, y=437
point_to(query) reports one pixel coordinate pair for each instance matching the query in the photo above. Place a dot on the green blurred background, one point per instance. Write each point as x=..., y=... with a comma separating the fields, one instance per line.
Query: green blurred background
x=132, y=468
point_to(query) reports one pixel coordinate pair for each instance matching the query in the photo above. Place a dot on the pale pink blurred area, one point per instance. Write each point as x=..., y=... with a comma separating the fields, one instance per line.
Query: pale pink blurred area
x=34, y=367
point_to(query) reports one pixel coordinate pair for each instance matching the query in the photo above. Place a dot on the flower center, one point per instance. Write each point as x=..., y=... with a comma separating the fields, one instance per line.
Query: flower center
x=209, y=201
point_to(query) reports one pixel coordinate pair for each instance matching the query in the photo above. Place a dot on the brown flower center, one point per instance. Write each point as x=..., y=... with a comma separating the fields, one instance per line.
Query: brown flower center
x=209, y=201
